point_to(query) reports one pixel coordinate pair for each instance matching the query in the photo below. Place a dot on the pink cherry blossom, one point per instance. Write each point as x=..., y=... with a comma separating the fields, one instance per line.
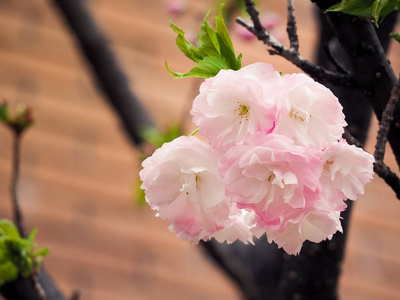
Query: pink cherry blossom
x=347, y=169
x=272, y=176
x=235, y=104
x=276, y=163
x=319, y=222
x=239, y=227
x=181, y=182
x=308, y=112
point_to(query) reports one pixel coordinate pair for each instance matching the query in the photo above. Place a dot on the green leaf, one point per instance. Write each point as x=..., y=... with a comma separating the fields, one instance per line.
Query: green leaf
x=32, y=235
x=360, y=8
x=16, y=253
x=381, y=8
x=8, y=272
x=140, y=196
x=4, y=115
x=222, y=30
x=395, y=35
x=374, y=9
x=8, y=229
x=42, y=252
x=215, y=50
x=158, y=138
x=185, y=46
x=208, y=67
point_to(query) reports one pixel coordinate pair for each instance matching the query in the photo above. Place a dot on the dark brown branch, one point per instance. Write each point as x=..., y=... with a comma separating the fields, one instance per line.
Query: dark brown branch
x=234, y=267
x=41, y=294
x=36, y=287
x=317, y=72
x=388, y=176
x=18, y=219
x=371, y=68
x=387, y=118
x=291, y=27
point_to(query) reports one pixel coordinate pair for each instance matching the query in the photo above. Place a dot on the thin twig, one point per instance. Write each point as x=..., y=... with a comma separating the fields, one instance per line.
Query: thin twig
x=38, y=287
x=388, y=176
x=291, y=27
x=380, y=168
x=18, y=219
x=317, y=72
x=387, y=118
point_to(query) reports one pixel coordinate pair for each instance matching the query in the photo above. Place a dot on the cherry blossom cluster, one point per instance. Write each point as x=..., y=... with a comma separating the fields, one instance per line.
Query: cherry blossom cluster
x=274, y=162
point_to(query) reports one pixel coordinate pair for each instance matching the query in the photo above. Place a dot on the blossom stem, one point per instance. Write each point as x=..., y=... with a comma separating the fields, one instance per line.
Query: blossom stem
x=194, y=132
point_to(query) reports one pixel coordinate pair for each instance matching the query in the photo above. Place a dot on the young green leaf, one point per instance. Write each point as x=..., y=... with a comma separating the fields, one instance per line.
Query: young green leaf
x=208, y=67
x=395, y=35
x=207, y=40
x=8, y=272
x=222, y=30
x=42, y=252
x=31, y=236
x=360, y=8
x=16, y=253
x=215, y=50
x=185, y=46
x=8, y=229
x=374, y=9
x=4, y=115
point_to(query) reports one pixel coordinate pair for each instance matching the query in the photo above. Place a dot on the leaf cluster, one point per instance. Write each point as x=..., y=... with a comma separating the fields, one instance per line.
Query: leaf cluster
x=17, y=256
x=20, y=120
x=215, y=50
x=158, y=138
x=373, y=9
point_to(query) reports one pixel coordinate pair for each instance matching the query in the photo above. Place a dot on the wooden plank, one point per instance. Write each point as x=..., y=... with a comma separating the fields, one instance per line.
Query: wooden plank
x=375, y=274
x=20, y=37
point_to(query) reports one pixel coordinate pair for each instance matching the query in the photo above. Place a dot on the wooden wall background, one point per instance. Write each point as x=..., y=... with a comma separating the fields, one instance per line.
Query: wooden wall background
x=78, y=169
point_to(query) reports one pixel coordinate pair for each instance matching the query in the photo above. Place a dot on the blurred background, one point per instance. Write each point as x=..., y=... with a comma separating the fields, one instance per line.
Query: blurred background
x=79, y=170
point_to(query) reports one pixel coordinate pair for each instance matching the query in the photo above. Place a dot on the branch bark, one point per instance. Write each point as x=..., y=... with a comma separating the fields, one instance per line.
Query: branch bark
x=371, y=68
x=317, y=72
x=18, y=219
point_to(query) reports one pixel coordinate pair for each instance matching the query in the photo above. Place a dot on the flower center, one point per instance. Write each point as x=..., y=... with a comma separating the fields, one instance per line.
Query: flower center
x=298, y=115
x=327, y=165
x=271, y=176
x=243, y=111
x=197, y=181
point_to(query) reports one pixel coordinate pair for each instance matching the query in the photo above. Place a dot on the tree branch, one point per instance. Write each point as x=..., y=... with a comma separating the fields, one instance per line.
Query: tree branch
x=18, y=219
x=234, y=267
x=372, y=70
x=387, y=118
x=317, y=72
x=291, y=27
